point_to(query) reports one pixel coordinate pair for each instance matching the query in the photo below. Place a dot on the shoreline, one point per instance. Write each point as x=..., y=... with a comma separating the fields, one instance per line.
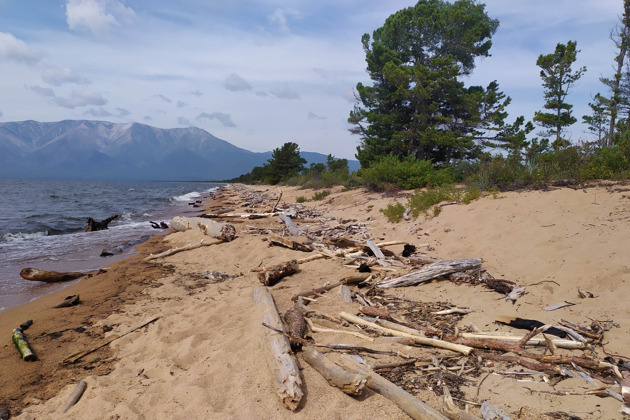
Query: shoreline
x=206, y=343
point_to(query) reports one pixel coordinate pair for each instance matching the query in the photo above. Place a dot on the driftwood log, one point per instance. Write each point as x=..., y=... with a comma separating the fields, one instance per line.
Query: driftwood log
x=22, y=346
x=296, y=325
x=281, y=362
x=223, y=231
x=431, y=272
x=293, y=230
x=188, y=247
x=76, y=395
x=94, y=225
x=69, y=301
x=35, y=274
x=346, y=280
x=415, y=408
x=273, y=274
x=350, y=383
x=288, y=243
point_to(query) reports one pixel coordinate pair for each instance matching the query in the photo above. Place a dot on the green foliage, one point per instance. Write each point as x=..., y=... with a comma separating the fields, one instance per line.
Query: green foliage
x=408, y=173
x=319, y=175
x=558, y=78
x=599, y=119
x=285, y=163
x=300, y=199
x=422, y=201
x=320, y=195
x=394, y=212
x=417, y=104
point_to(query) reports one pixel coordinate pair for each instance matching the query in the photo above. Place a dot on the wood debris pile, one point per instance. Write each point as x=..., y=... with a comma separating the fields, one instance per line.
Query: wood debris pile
x=396, y=346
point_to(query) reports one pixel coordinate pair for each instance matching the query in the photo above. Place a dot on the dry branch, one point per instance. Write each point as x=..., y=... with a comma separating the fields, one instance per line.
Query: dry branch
x=280, y=360
x=188, y=247
x=318, y=290
x=415, y=408
x=76, y=395
x=271, y=275
x=288, y=243
x=431, y=272
x=349, y=383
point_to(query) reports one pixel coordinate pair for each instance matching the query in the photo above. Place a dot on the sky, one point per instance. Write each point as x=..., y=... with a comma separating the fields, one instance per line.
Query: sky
x=259, y=73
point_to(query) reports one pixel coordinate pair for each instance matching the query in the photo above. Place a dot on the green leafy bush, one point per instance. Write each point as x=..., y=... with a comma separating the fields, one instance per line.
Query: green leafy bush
x=394, y=212
x=408, y=173
x=320, y=195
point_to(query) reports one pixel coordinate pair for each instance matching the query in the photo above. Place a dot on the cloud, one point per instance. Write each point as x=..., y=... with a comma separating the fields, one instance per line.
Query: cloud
x=80, y=98
x=97, y=15
x=285, y=93
x=98, y=113
x=313, y=116
x=236, y=83
x=185, y=121
x=42, y=91
x=147, y=118
x=181, y=104
x=261, y=93
x=196, y=92
x=280, y=17
x=14, y=49
x=122, y=112
x=57, y=76
x=225, y=119
x=164, y=98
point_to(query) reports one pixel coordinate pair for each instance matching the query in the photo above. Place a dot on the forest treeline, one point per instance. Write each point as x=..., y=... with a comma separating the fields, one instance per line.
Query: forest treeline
x=419, y=125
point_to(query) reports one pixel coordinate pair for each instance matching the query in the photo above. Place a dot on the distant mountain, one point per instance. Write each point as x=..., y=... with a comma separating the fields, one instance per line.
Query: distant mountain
x=103, y=150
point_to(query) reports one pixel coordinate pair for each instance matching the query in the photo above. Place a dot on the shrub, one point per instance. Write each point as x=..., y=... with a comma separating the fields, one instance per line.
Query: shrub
x=421, y=201
x=409, y=173
x=394, y=212
x=320, y=195
x=300, y=199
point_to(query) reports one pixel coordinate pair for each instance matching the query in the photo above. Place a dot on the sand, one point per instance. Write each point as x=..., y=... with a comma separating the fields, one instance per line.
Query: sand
x=202, y=359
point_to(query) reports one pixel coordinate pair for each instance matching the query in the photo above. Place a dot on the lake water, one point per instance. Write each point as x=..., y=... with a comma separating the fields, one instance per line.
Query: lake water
x=42, y=223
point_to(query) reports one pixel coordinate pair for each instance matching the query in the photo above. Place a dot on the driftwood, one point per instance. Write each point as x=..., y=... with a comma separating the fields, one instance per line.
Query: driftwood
x=288, y=243
x=377, y=253
x=450, y=410
x=22, y=346
x=76, y=395
x=35, y=274
x=293, y=230
x=318, y=290
x=94, y=225
x=415, y=408
x=500, y=285
x=223, y=231
x=77, y=356
x=296, y=325
x=271, y=275
x=558, y=342
x=384, y=314
x=349, y=383
x=529, y=324
x=431, y=272
x=188, y=247
x=69, y=301
x=281, y=362
x=315, y=328
x=415, y=337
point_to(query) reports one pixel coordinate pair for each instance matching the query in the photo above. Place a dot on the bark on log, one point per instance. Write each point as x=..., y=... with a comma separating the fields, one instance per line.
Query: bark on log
x=76, y=395
x=22, y=346
x=223, y=231
x=288, y=243
x=296, y=326
x=431, y=272
x=281, y=362
x=336, y=376
x=272, y=275
x=69, y=301
x=415, y=408
x=35, y=274
x=500, y=285
x=415, y=337
x=94, y=225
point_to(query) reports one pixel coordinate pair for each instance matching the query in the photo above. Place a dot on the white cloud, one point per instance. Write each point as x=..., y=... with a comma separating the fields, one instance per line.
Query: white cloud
x=79, y=98
x=225, y=119
x=281, y=16
x=97, y=15
x=42, y=91
x=98, y=113
x=184, y=121
x=236, y=83
x=196, y=92
x=14, y=49
x=165, y=98
x=122, y=112
x=285, y=93
x=58, y=76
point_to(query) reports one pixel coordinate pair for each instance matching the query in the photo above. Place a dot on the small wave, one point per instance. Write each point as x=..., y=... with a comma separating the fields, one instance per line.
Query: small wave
x=126, y=216
x=8, y=237
x=187, y=197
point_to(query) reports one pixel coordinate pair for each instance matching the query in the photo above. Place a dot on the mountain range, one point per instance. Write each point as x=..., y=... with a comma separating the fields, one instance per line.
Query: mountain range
x=82, y=149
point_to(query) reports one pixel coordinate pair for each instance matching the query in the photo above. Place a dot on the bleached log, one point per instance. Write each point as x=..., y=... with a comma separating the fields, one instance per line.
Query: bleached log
x=76, y=395
x=431, y=272
x=377, y=253
x=293, y=230
x=415, y=408
x=188, y=247
x=318, y=290
x=208, y=227
x=558, y=342
x=349, y=383
x=288, y=243
x=415, y=337
x=281, y=362
x=314, y=328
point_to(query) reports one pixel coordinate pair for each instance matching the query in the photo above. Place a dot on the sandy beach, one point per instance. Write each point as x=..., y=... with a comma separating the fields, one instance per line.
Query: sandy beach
x=203, y=357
